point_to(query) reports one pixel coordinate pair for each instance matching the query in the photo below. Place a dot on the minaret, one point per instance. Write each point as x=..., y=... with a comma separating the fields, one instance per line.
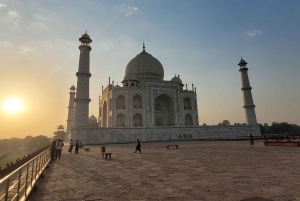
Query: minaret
x=82, y=99
x=71, y=113
x=248, y=101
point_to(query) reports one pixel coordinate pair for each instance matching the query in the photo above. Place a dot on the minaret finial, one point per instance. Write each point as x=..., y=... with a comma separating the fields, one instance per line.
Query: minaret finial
x=143, y=46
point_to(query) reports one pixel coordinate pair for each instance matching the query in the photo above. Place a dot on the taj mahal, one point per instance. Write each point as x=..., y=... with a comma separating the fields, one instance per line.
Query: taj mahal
x=146, y=106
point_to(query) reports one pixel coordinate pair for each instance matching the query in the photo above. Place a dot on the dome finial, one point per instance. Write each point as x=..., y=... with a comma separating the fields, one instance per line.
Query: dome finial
x=143, y=46
x=85, y=31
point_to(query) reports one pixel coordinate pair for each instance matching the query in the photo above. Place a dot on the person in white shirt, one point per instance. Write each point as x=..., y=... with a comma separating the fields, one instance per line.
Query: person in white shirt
x=58, y=148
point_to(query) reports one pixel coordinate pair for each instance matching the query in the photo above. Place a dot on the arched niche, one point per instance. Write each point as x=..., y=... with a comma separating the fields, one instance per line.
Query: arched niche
x=120, y=121
x=137, y=101
x=164, y=112
x=187, y=103
x=137, y=120
x=104, y=119
x=120, y=102
x=188, y=120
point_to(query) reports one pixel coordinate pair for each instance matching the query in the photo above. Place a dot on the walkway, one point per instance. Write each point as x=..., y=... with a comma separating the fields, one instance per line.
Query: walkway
x=198, y=170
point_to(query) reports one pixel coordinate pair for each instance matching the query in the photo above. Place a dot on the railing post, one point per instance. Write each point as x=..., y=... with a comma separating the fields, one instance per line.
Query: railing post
x=32, y=168
x=6, y=190
x=19, y=184
x=39, y=166
x=26, y=180
x=36, y=166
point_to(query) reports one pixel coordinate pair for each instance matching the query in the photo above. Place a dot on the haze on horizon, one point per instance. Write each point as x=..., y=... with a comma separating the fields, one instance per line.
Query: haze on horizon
x=202, y=41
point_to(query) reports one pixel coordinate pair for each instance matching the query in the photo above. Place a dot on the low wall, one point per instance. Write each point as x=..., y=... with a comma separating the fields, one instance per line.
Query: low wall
x=153, y=134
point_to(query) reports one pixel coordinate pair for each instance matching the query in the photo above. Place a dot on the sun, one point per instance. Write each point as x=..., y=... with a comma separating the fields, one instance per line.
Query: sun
x=13, y=105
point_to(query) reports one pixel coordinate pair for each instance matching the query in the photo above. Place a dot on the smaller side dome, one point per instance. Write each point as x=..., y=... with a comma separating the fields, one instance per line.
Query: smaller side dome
x=117, y=86
x=85, y=38
x=242, y=62
x=73, y=88
x=93, y=118
x=60, y=127
x=177, y=80
x=131, y=77
x=85, y=35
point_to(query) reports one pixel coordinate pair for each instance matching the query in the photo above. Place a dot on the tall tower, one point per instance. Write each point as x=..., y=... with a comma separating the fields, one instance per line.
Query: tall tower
x=71, y=112
x=248, y=100
x=82, y=99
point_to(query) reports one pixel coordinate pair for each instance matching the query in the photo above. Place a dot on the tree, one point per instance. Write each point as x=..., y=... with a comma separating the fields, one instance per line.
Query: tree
x=262, y=129
x=226, y=122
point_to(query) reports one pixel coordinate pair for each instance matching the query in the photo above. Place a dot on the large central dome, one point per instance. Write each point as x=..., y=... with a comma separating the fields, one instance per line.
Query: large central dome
x=145, y=66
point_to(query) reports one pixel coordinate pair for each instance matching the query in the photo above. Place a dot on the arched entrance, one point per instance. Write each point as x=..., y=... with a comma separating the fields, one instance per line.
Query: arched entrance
x=120, y=102
x=164, y=111
x=188, y=120
x=120, y=120
x=187, y=103
x=104, y=120
x=137, y=120
x=137, y=101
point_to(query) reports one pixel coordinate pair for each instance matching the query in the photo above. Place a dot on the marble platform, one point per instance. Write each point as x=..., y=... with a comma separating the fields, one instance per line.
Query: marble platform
x=198, y=170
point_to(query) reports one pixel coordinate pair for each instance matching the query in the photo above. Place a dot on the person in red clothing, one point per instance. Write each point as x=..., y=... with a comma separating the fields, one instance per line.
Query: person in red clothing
x=251, y=141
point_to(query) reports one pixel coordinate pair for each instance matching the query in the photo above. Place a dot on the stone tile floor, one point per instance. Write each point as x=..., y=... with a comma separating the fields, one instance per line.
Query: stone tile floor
x=198, y=170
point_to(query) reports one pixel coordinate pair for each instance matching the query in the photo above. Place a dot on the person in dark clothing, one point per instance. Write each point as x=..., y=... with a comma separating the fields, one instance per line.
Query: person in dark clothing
x=71, y=146
x=251, y=141
x=138, y=146
x=76, y=147
x=53, y=150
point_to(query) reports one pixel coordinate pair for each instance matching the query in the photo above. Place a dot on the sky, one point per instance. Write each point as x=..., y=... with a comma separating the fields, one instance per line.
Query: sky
x=201, y=40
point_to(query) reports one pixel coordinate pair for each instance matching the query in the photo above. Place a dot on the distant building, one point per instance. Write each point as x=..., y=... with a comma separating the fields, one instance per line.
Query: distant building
x=60, y=133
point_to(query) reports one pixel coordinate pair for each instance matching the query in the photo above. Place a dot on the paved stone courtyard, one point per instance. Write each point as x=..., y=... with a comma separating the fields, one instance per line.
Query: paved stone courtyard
x=198, y=170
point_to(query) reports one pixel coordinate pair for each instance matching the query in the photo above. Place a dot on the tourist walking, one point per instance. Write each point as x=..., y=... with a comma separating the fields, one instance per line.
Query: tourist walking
x=76, y=147
x=251, y=141
x=53, y=150
x=138, y=146
x=71, y=146
x=58, y=149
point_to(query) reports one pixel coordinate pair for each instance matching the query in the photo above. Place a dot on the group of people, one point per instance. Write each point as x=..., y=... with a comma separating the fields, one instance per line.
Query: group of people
x=77, y=146
x=56, y=148
x=57, y=145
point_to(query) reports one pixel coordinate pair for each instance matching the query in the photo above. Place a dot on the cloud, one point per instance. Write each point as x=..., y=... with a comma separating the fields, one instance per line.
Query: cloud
x=12, y=14
x=254, y=33
x=2, y=5
x=26, y=49
x=6, y=44
x=129, y=10
x=38, y=25
x=39, y=17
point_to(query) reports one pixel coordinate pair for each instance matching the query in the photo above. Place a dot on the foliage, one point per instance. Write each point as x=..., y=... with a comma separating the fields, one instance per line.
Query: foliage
x=224, y=122
x=279, y=128
x=29, y=143
x=14, y=148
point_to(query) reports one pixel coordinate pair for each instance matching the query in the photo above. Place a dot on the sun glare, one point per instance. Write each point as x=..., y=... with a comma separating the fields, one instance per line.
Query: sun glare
x=13, y=105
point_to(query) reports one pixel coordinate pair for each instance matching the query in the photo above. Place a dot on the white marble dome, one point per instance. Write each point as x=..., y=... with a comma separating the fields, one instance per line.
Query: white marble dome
x=145, y=66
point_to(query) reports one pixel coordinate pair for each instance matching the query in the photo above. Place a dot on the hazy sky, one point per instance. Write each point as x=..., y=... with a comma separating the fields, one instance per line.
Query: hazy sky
x=202, y=41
